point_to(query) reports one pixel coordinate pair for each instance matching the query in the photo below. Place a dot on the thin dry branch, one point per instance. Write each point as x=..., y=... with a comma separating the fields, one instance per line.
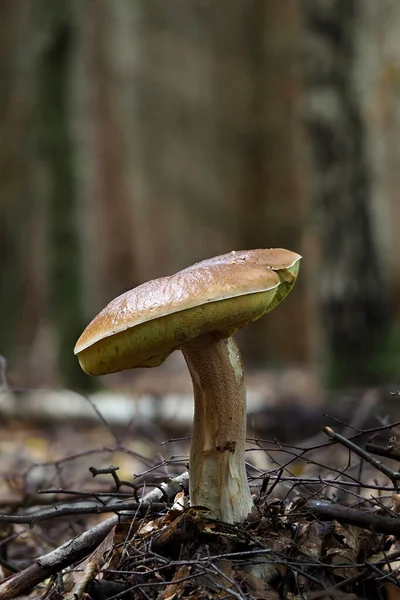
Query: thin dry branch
x=83, y=509
x=394, y=476
x=78, y=548
x=360, y=518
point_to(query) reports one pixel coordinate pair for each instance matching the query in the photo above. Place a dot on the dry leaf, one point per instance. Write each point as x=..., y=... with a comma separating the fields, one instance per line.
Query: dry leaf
x=257, y=588
x=93, y=563
x=173, y=591
x=309, y=539
x=392, y=592
x=180, y=532
x=351, y=535
x=179, y=501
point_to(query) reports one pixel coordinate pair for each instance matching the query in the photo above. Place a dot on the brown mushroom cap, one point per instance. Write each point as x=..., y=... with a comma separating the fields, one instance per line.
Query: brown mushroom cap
x=143, y=326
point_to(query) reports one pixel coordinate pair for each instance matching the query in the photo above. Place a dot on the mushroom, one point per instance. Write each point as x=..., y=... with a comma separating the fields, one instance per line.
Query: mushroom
x=196, y=311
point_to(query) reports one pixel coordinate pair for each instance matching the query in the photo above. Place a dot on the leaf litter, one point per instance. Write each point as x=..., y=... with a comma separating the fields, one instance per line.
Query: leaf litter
x=334, y=535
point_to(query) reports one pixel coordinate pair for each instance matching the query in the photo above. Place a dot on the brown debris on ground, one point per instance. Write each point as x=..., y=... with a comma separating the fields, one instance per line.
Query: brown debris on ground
x=325, y=524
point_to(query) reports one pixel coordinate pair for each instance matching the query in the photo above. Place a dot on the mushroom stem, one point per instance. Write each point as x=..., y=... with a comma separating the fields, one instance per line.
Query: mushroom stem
x=217, y=471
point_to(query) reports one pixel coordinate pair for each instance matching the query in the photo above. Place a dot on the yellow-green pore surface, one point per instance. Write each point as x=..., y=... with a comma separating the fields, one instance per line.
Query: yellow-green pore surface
x=142, y=327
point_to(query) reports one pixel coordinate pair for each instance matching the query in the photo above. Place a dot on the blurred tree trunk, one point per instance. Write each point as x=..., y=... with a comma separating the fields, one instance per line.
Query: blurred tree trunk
x=378, y=80
x=212, y=140
x=22, y=217
x=107, y=196
x=353, y=294
x=271, y=157
x=57, y=30
x=14, y=175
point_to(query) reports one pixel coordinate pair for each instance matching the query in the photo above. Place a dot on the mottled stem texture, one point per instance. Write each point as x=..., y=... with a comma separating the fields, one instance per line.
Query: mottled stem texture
x=217, y=470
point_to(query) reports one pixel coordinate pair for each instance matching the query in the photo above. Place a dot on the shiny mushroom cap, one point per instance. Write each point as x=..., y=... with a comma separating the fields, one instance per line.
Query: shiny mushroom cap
x=143, y=326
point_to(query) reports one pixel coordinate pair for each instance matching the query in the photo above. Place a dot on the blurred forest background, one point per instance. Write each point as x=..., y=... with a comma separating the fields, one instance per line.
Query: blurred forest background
x=139, y=136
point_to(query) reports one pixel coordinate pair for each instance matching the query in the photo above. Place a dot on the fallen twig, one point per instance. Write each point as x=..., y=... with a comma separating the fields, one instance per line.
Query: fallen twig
x=82, y=509
x=394, y=476
x=79, y=547
x=352, y=516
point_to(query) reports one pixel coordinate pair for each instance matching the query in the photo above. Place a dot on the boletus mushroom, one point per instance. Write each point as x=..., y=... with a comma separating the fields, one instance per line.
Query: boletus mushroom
x=196, y=311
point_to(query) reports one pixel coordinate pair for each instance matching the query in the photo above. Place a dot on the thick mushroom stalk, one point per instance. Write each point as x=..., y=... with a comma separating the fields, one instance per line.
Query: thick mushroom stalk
x=217, y=471
x=197, y=310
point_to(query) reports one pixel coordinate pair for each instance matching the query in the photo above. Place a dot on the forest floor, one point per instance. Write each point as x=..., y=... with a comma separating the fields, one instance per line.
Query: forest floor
x=326, y=522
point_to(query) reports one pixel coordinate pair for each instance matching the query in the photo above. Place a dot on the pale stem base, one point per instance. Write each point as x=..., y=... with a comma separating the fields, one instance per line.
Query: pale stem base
x=217, y=472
